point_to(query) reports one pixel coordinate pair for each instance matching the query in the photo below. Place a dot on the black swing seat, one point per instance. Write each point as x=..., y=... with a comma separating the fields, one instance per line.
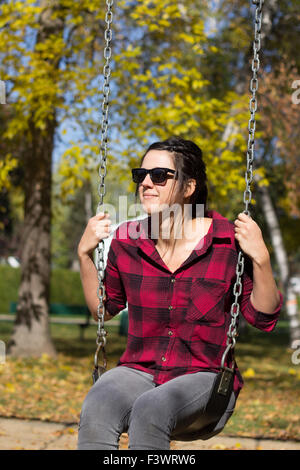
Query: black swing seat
x=201, y=426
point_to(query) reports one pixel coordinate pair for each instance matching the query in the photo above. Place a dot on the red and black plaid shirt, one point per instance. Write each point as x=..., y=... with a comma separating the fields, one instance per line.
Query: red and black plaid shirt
x=178, y=321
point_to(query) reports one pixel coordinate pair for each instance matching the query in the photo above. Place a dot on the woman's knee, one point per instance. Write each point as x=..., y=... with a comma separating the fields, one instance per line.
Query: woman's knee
x=102, y=416
x=151, y=412
x=103, y=402
x=150, y=424
x=112, y=396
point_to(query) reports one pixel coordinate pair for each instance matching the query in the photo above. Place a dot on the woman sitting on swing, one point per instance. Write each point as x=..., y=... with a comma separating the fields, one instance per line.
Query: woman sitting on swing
x=179, y=292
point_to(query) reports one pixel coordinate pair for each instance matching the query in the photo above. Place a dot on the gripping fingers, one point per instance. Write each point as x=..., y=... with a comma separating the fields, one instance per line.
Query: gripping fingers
x=103, y=229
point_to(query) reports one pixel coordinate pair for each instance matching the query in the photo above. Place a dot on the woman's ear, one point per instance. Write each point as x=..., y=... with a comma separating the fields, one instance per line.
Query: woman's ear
x=190, y=188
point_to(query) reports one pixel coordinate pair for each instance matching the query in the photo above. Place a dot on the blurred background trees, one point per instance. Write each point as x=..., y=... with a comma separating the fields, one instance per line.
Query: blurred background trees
x=178, y=68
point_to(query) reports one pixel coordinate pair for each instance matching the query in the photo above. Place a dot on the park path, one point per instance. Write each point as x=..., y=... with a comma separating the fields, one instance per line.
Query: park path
x=18, y=434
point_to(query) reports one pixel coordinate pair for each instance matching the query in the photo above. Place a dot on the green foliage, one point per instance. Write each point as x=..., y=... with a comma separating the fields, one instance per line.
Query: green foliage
x=166, y=82
x=9, y=283
x=52, y=80
x=165, y=89
x=161, y=87
x=169, y=76
x=65, y=287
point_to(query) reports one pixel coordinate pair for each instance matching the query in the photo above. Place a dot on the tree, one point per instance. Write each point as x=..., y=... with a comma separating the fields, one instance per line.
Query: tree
x=47, y=53
x=31, y=332
x=10, y=175
x=169, y=77
x=282, y=168
x=277, y=157
x=162, y=74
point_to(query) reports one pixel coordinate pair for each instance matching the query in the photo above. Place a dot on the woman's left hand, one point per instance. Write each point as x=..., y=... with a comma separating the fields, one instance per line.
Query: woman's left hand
x=250, y=238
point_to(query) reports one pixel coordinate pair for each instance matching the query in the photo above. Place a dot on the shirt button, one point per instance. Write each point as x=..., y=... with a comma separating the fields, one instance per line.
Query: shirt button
x=163, y=359
x=170, y=333
x=172, y=280
x=170, y=307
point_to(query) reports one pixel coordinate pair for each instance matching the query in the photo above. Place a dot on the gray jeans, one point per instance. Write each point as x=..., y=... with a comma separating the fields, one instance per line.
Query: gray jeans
x=127, y=400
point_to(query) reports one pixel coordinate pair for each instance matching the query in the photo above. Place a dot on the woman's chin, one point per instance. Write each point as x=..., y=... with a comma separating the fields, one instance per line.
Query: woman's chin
x=151, y=207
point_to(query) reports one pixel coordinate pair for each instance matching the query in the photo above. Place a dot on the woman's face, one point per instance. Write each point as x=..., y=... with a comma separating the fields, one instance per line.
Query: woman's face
x=155, y=197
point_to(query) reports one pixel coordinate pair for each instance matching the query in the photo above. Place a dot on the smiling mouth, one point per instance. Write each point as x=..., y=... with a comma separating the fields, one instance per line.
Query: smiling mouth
x=149, y=195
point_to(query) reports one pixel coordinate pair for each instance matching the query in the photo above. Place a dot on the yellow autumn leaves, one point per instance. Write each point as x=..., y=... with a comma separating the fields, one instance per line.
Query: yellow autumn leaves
x=159, y=86
x=250, y=373
x=43, y=388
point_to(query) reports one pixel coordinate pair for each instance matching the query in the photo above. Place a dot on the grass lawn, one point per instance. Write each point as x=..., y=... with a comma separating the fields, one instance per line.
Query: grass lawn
x=54, y=390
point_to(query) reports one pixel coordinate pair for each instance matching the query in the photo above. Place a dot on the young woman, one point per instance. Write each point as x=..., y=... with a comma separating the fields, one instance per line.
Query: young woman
x=178, y=288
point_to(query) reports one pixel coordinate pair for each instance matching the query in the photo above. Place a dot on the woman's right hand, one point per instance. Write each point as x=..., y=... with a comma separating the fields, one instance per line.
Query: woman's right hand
x=97, y=229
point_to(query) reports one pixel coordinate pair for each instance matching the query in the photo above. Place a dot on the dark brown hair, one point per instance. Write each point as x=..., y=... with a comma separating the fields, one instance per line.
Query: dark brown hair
x=188, y=164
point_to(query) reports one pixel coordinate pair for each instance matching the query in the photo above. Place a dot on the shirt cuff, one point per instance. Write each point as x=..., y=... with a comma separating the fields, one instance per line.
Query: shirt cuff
x=113, y=308
x=266, y=321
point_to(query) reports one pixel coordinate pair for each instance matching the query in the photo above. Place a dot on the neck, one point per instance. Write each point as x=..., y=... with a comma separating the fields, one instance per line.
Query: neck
x=173, y=229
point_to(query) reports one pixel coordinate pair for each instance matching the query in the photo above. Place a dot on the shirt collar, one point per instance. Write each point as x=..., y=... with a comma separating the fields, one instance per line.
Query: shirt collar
x=219, y=229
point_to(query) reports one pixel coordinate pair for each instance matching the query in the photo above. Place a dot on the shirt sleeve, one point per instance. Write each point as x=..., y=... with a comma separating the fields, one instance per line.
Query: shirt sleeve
x=115, y=293
x=262, y=321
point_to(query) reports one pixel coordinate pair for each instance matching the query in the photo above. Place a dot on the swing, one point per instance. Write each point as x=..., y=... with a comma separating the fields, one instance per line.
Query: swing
x=202, y=427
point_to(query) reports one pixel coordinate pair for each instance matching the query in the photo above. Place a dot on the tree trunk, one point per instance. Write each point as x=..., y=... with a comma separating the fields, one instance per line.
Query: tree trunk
x=282, y=262
x=272, y=221
x=31, y=334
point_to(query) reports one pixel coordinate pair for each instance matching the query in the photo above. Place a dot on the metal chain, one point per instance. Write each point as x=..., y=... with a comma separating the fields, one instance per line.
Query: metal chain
x=237, y=289
x=100, y=265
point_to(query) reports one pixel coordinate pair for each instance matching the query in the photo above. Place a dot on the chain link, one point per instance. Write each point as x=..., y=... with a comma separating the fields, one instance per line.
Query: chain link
x=100, y=264
x=237, y=289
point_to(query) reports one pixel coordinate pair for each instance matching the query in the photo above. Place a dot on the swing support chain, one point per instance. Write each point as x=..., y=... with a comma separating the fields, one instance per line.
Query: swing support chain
x=235, y=308
x=237, y=289
x=100, y=264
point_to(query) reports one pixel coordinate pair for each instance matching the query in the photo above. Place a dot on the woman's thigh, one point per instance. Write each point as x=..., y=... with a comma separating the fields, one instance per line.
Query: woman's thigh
x=176, y=403
x=109, y=401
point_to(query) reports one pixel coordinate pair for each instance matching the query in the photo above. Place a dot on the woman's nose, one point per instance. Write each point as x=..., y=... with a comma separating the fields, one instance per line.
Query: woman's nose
x=147, y=181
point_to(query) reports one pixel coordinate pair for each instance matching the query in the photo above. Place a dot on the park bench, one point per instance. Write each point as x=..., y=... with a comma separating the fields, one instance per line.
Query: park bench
x=71, y=315
x=62, y=314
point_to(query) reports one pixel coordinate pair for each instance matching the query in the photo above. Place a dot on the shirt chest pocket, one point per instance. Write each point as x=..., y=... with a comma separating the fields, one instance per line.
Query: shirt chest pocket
x=207, y=302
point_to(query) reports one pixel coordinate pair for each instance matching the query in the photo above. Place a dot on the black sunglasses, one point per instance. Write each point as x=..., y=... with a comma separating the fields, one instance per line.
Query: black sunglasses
x=157, y=175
